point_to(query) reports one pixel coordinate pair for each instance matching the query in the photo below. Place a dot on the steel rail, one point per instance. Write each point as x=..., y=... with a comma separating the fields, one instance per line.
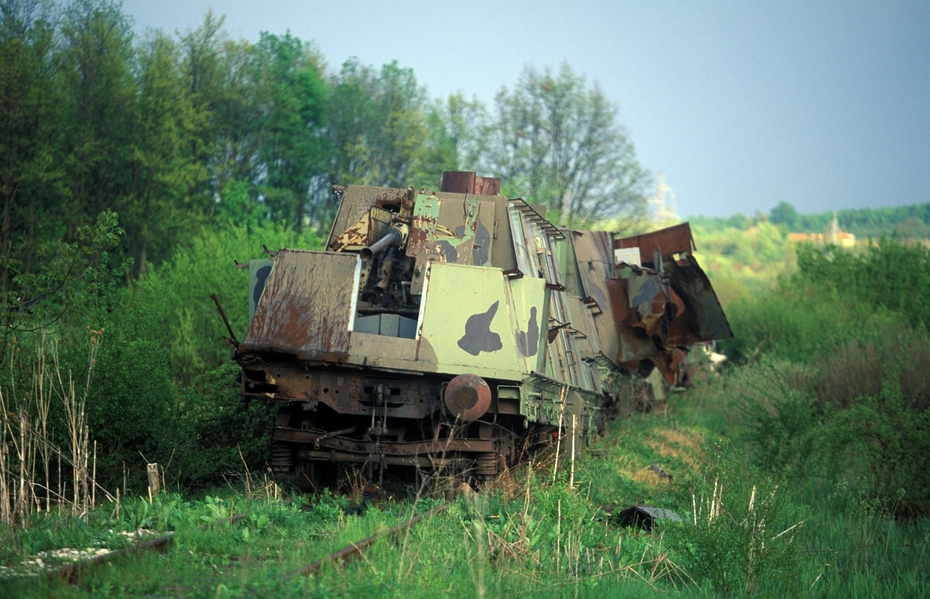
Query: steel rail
x=69, y=572
x=355, y=549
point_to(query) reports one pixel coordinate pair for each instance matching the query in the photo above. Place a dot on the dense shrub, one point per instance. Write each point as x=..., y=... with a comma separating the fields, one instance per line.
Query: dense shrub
x=742, y=533
x=131, y=399
x=177, y=293
x=860, y=368
x=890, y=274
x=219, y=436
x=885, y=437
x=801, y=320
x=781, y=415
x=856, y=413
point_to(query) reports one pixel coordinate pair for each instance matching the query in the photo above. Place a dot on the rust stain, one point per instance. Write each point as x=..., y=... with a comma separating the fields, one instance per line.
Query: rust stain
x=673, y=240
x=297, y=311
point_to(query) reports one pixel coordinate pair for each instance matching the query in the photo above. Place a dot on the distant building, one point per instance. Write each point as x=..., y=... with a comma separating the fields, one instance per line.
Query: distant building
x=833, y=235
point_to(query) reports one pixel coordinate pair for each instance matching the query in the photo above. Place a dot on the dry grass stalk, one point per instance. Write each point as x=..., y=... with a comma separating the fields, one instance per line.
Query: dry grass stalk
x=558, y=441
x=571, y=478
x=26, y=453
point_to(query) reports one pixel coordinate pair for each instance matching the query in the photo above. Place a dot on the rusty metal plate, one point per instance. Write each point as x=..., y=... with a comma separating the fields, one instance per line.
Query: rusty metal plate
x=468, y=182
x=357, y=200
x=667, y=364
x=306, y=305
x=703, y=318
x=673, y=240
x=368, y=447
x=632, y=343
x=366, y=231
x=445, y=230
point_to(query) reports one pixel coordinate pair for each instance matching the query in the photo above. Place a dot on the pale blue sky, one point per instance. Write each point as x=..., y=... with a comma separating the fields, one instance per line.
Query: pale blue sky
x=741, y=104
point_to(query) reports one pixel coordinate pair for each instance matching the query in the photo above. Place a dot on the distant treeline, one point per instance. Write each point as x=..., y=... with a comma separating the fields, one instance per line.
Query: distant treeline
x=176, y=132
x=909, y=222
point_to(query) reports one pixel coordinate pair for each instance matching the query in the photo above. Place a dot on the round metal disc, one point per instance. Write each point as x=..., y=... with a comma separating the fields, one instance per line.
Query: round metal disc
x=467, y=397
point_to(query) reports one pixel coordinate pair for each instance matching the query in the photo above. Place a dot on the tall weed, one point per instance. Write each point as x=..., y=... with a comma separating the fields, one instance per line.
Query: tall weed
x=741, y=536
x=781, y=414
x=886, y=437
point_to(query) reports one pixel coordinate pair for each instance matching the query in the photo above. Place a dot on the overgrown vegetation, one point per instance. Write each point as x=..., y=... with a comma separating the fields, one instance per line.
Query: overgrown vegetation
x=799, y=471
x=834, y=380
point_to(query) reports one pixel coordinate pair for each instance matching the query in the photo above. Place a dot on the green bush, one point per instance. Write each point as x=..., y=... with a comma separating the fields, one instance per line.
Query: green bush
x=781, y=415
x=801, y=320
x=214, y=427
x=889, y=274
x=857, y=414
x=131, y=400
x=177, y=293
x=885, y=436
x=741, y=537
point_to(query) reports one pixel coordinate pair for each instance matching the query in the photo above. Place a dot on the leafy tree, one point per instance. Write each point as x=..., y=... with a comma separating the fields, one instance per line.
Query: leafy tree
x=68, y=275
x=30, y=165
x=293, y=151
x=226, y=83
x=785, y=214
x=556, y=141
x=159, y=205
x=99, y=97
x=457, y=134
x=201, y=62
x=377, y=125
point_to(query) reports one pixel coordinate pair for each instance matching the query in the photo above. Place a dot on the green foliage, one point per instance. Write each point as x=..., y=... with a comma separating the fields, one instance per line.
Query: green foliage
x=891, y=275
x=785, y=214
x=843, y=386
x=377, y=125
x=743, y=261
x=162, y=208
x=293, y=151
x=857, y=413
x=909, y=222
x=177, y=293
x=887, y=435
x=217, y=436
x=456, y=139
x=800, y=319
x=96, y=110
x=72, y=278
x=743, y=533
x=131, y=406
x=781, y=414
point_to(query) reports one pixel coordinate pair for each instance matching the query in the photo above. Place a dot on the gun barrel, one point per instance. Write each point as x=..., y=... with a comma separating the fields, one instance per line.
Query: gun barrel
x=392, y=237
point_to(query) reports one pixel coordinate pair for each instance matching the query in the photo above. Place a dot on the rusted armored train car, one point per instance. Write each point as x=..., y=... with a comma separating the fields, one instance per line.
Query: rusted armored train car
x=451, y=330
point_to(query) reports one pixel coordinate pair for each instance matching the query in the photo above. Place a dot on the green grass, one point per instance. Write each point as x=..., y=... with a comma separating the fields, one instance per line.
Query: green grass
x=528, y=535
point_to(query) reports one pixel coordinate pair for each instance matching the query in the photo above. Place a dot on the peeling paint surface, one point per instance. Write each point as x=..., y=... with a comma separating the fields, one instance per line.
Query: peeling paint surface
x=300, y=309
x=464, y=321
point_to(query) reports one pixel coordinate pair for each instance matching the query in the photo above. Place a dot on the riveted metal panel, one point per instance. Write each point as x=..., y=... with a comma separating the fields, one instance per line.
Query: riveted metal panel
x=306, y=306
x=665, y=242
x=530, y=323
x=465, y=321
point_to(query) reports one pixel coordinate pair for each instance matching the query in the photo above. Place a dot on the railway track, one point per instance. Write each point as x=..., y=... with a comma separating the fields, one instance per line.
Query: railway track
x=355, y=550
x=71, y=573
